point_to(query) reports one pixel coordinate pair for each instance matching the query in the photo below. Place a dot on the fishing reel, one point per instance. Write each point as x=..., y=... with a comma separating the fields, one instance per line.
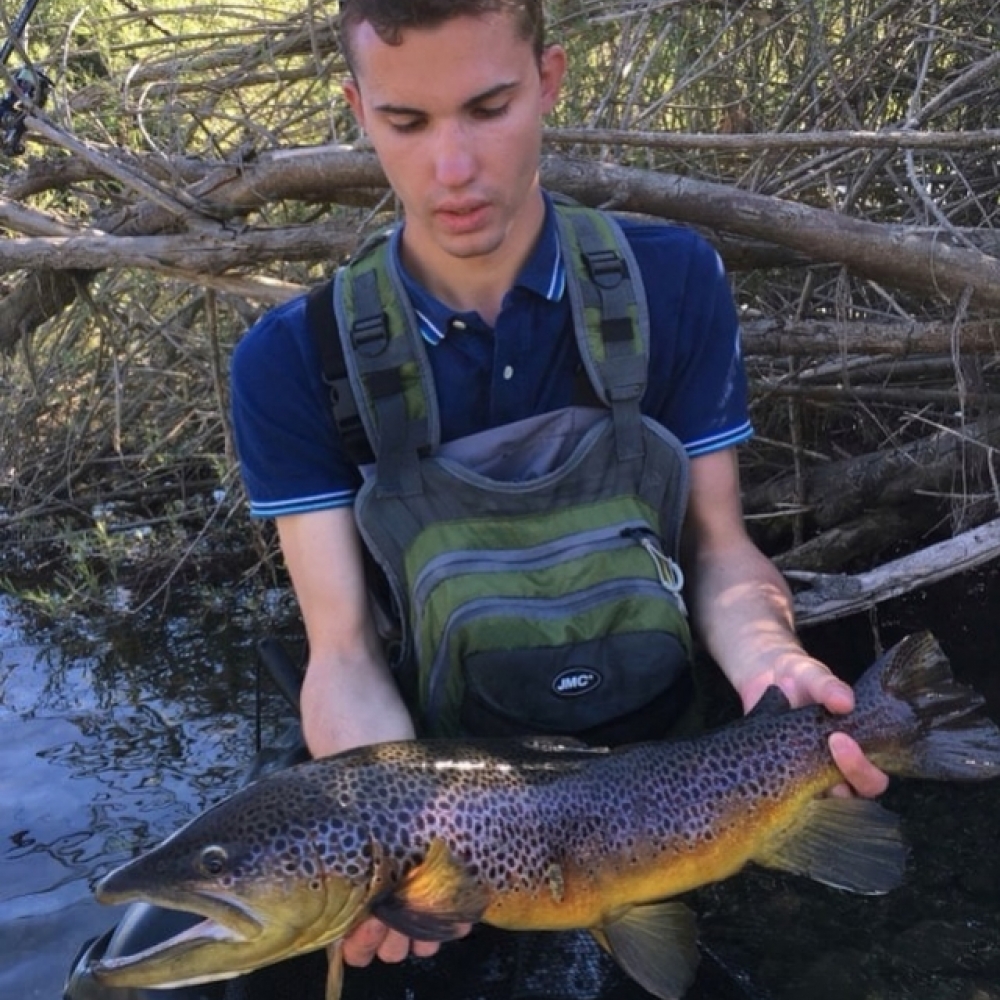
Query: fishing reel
x=31, y=89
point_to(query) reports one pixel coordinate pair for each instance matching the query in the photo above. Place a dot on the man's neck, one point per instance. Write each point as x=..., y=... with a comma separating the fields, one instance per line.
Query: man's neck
x=476, y=284
x=473, y=285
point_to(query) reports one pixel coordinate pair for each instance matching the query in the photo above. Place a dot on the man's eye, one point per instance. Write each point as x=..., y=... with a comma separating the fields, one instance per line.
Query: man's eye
x=491, y=111
x=406, y=125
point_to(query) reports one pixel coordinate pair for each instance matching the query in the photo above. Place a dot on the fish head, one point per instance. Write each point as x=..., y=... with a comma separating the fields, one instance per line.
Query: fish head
x=275, y=871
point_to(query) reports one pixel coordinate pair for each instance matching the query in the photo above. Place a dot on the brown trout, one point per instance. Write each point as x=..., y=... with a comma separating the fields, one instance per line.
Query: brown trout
x=546, y=835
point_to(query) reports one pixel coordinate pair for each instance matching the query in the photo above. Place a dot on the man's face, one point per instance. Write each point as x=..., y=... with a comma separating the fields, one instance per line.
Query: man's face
x=454, y=114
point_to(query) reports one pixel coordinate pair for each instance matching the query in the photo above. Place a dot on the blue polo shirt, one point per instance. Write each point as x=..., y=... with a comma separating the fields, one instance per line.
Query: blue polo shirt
x=290, y=453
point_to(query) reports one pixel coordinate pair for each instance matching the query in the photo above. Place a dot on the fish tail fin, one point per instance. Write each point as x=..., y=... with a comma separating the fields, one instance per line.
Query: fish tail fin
x=945, y=732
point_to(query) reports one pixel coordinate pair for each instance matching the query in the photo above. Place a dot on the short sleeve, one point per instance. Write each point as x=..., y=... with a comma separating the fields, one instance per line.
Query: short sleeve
x=697, y=382
x=290, y=453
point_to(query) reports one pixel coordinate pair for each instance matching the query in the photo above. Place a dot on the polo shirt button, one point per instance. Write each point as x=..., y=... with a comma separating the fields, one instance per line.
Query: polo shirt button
x=508, y=373
x=458, y=324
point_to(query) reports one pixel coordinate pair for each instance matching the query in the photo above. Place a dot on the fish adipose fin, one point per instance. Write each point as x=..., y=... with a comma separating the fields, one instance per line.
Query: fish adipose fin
x=953, y=739
x=433, y=898
x=656, y=944
x=851, y=844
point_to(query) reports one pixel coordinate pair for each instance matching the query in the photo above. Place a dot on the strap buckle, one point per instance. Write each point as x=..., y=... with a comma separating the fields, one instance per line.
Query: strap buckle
x=370, y=335
x=607, y=269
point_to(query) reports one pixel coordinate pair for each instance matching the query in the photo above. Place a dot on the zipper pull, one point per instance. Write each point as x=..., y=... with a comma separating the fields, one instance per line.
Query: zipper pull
x=670, y=575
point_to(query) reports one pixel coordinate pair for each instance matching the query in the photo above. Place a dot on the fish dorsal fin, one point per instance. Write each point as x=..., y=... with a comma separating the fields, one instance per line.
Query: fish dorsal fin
x=851, y=844
x=656, y=944
x=433, y=898
x=773, y=701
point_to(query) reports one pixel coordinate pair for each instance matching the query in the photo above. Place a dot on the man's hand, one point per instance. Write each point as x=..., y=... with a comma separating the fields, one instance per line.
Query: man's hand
x=371, y=937
x=806, y=681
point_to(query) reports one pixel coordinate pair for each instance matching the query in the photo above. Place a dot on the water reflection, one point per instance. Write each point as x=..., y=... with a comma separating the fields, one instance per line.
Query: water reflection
x=109, y=739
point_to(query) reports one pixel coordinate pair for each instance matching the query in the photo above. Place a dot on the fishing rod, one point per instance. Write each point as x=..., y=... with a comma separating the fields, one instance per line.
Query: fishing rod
x=17, y=27
x=30, y=87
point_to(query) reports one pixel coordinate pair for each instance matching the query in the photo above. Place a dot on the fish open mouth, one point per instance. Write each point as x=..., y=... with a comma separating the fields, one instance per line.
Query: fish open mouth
x=228, y=923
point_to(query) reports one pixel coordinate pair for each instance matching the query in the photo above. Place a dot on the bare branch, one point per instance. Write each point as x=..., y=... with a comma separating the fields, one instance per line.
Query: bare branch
x=758, y=141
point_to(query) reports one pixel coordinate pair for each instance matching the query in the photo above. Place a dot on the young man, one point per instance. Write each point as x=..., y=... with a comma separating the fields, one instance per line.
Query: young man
x=452, y=94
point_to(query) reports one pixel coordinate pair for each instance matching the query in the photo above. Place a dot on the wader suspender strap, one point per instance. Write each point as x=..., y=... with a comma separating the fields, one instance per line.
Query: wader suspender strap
x=388, y=369
x=610, y=317
x=322, y=326
x=386, y=366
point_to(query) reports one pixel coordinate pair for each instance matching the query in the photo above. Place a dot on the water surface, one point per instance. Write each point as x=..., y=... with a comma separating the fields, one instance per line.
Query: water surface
x=113, y=735
x=109, y=738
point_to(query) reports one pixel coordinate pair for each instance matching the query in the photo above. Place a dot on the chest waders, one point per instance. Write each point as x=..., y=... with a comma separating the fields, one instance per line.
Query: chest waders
x=532, y=567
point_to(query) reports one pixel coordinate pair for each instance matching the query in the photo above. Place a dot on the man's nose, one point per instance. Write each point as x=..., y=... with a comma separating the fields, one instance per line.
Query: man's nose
x=455, y=159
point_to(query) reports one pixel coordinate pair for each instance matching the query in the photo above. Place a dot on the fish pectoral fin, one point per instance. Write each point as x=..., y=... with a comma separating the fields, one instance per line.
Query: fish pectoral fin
x=335, y=970
x=434, y=898
x=656, y=944
x=851, y=844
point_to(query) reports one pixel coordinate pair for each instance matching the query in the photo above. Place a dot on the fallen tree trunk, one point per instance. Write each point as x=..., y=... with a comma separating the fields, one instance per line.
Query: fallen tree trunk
x=887, y=253
x=39, y=297
x=196, y=253
x=837, y=596
x=899, y=340
x=843, y=490
x=860, y=541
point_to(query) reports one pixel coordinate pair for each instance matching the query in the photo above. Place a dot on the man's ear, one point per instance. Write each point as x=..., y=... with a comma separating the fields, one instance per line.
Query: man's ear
x=352, y=94
x=552, y=69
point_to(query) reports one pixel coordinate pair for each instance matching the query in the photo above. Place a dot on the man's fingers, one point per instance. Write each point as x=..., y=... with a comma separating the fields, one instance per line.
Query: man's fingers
x=395, y=947
x=371, y=937
x=838, y=697
x=362, y=944
x=859, y=772
x=424, y=949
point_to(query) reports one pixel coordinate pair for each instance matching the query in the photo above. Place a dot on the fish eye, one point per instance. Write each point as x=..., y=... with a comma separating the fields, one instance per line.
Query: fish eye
x=212, y=860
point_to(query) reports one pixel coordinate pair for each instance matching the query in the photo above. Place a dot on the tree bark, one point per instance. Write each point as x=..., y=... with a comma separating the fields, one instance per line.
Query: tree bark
x=833, y=596
x=843, y=490
x=892, y=254
x=859, y=541
x=39, y=297
x=783, y=338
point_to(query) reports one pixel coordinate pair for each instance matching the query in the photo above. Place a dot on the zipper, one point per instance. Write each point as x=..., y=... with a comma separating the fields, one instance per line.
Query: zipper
x=541, y=556
x=668, y=572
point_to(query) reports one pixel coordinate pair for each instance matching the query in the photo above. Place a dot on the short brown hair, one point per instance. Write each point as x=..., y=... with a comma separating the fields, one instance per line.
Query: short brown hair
x=390, y=18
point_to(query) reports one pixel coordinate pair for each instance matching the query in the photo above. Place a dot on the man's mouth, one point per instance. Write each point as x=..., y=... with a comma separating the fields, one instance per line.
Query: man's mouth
x=461, y=217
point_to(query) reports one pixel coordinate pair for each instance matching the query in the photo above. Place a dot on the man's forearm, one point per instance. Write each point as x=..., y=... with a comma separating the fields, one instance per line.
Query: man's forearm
x=351, y=700
x=349, y=696
x=742, y=609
